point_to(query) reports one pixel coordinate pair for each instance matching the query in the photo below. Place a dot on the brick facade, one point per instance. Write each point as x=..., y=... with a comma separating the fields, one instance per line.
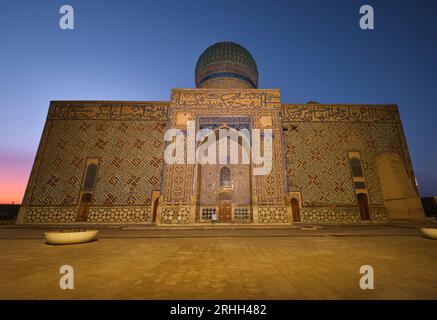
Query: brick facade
x=310, y=158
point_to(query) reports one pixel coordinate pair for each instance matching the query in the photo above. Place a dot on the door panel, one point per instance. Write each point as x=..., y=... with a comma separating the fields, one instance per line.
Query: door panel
x=225, y=211
x=295, y=210
x=364, y=206
x=84, y=207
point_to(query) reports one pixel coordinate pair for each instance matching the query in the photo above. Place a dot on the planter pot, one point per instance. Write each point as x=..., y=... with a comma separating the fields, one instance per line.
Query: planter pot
x=70, y=236
x=430, y=233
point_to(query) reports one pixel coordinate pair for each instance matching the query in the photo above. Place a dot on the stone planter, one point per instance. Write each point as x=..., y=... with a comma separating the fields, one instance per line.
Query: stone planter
x=70, y=236
x=430, y=233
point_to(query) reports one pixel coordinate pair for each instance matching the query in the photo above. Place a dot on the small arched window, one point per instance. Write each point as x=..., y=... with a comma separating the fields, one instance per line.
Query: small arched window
x=357, y=170
x=90, y=177
x=225, y=177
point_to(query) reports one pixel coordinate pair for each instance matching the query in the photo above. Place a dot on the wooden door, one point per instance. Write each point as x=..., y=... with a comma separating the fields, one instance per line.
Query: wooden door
x=84, y=208
x=295, y=209
x=155, y=209
x=364, y=206
x=225, y=211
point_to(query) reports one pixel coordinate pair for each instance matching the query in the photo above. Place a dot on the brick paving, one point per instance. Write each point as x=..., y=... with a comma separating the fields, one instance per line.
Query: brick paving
x=273, y=263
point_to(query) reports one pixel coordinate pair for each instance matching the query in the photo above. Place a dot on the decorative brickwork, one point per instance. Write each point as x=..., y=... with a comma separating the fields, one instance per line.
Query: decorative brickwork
x=39, y=215
x=131, y=153
x=342, y=215
x=367, y=128
x=316, y=146
x=50, y=215
x=379, y=214
x=270, y=188
x=272, y=214
x=108, y=110
x=207, y=212
x=242, y=213
x=310, y=156
x=340, y=113
x=332, y=215
x=122, y=214
x=175, y=215
x=221, y=100
x=122, y=144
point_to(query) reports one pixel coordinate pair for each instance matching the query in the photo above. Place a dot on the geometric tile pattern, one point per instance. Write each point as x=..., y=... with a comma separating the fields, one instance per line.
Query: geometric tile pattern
x=331, y=215
x=179, y=179
x=50, y=215
x=342, y=215
x=379, y=214
x=317, y=159
x=96, y=214
x=123, y=214
x=127, y=140
x=242, y=213
x=207, y=213
x=130, y=155
x=175, y=215
x=272, y=214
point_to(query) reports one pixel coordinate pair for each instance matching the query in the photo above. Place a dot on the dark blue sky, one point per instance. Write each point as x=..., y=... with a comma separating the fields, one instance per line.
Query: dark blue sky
x=139, y=50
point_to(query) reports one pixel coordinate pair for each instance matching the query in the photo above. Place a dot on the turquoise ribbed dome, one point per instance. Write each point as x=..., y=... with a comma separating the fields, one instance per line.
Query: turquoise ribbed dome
x=226, y=60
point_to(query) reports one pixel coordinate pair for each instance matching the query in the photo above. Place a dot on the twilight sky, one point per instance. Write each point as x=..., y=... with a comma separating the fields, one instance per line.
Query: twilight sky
x=139, y=50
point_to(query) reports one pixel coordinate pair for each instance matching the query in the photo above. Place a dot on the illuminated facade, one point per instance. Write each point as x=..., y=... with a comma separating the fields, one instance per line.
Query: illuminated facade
x=103, y=161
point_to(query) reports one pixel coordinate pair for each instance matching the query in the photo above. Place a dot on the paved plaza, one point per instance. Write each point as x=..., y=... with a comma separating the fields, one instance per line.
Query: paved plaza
x=138, y=262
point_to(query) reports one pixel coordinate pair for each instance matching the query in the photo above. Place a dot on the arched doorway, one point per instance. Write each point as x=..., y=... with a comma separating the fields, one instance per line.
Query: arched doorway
x=363, y=205
x=225, y=187
x=295, y=210
x=84, y=207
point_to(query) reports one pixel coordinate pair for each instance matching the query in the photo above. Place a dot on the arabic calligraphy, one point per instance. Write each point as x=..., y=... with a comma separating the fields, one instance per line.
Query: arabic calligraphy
x=108, y=110
x=348, y=113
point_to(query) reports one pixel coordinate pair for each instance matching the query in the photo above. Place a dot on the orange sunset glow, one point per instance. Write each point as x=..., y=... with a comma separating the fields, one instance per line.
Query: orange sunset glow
x=14, y=174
